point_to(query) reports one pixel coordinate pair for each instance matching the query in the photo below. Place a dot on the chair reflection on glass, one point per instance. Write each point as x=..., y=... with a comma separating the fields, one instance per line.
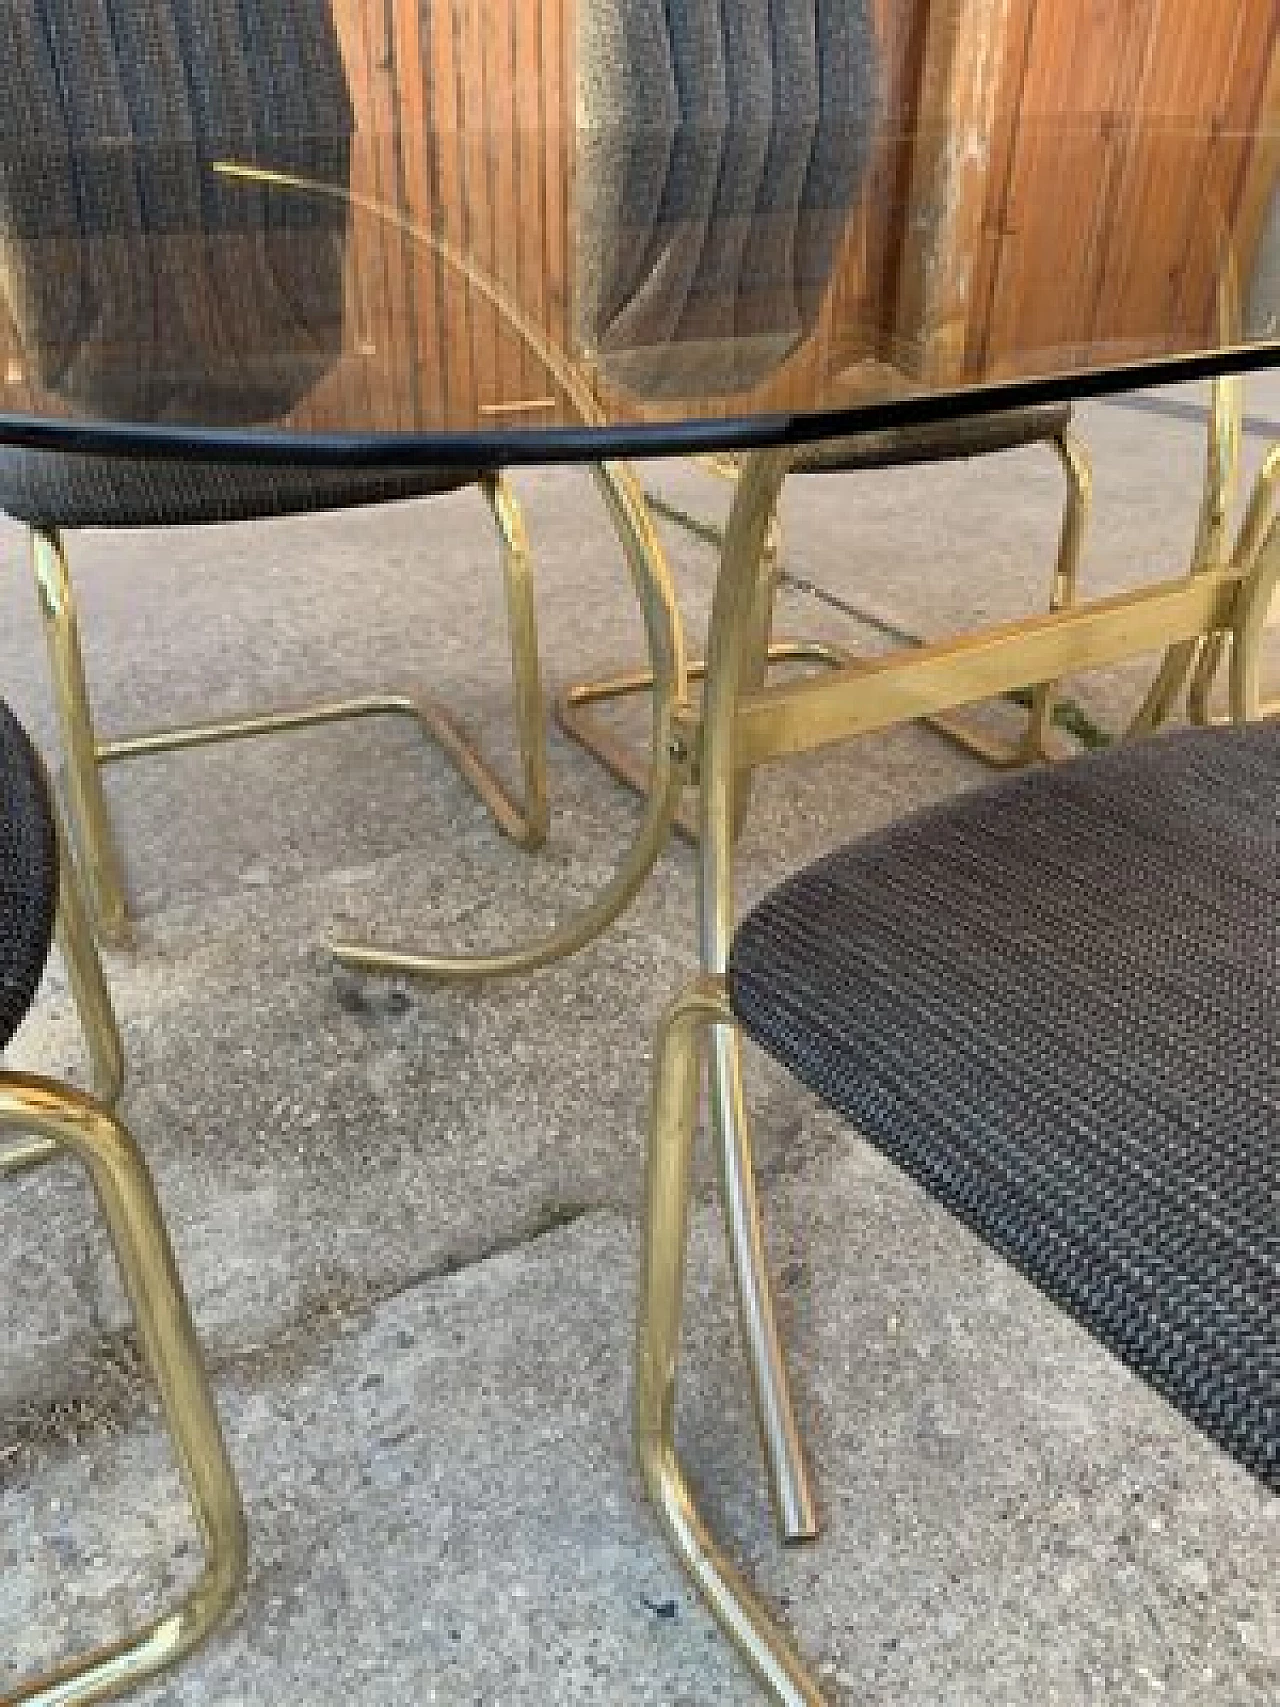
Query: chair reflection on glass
x=143, y=289
x=41, y=1121
x=717, y=177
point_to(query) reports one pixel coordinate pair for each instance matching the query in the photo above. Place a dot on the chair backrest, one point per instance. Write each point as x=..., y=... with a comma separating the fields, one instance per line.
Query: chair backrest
x=140, y=284
x=721, y=153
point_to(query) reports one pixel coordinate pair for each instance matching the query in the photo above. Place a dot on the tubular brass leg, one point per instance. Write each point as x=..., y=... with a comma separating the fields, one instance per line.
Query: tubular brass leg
x=758, y=1638
x=1248, y=544
x=1185, y=658
x=128, y=1202
x=90, y=822
x=734, y=629
x=526, y=674
x=1256, y=593
x=670, y=762
x=524, y=821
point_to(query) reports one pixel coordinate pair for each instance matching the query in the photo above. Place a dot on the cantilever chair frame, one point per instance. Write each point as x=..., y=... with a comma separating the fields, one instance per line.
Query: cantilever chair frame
x=524, y=821
x=742, y=723
x=41, y=1120
x=573, y=705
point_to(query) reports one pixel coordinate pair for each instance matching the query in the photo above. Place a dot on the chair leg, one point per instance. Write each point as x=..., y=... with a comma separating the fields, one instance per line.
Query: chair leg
x=762, y=1643
x=525, y=820
x=1187, y=662
x=128, y=1203
x=90, y=821
x=731, y=659
x=1036, y=743
x=1248, y=544
x=1256, y=594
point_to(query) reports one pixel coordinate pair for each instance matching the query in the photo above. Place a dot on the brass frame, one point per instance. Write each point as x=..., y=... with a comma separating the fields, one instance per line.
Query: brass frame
x=41, y=1120
x=701, y=1011
x=743, y=723
x=573, y=705
x=670, y=768
x=524, y=822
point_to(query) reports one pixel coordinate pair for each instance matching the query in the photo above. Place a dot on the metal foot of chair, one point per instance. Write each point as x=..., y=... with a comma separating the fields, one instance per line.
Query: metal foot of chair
x=524, y=821
x=68, y=1121
x=758, y=1637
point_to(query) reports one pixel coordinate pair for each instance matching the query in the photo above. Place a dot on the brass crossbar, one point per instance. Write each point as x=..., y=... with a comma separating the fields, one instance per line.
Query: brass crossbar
x=801, y=716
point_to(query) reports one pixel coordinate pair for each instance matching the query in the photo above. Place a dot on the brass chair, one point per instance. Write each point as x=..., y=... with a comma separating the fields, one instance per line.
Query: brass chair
x=1052, y=1003
x=717, y=175
x=41, y=1120
x=142, y=287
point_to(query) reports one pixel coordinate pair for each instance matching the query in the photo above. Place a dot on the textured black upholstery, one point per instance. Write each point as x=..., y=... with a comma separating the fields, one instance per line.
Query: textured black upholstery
x=28, y=873
x=721, y=153
x=940, y=441
x=142, y=286
x=47, y=488
x=1054, y=1004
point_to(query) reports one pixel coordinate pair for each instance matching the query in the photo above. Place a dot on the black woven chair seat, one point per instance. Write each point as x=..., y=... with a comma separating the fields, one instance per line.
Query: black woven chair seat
x=938, y=441
x=1053, y=1003
x=28, y=874
x=47, y=489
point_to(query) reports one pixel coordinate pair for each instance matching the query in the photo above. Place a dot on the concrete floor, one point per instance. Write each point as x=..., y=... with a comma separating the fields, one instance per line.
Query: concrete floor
x=407, y=1216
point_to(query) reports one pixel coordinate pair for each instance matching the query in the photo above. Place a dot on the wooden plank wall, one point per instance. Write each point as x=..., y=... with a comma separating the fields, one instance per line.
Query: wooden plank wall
x=1087, y=185
x=953, y=263
x=462, y=107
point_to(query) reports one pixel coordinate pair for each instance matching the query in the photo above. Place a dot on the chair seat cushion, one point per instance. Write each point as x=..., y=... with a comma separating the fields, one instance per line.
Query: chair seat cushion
x=48, y=489
x=1053, y=1003
x=28, y=874
x=940, y=441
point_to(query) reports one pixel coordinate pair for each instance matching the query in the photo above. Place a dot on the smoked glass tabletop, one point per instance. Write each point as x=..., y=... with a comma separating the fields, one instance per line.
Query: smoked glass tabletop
x=533, y=228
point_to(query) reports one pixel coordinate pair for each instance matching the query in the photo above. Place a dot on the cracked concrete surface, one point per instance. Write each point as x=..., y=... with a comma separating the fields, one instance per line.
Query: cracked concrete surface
x=407, y=1215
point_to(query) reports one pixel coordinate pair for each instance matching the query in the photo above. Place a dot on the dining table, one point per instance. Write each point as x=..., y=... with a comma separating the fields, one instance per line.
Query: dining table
x=580, y=232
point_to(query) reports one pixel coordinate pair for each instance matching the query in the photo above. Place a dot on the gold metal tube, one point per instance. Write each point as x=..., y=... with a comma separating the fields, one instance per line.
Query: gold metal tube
x=760, y=1640
x=1222, y=471
x=1254, y=603
x=126, y=1196
x=90, y=821
x=734, y=629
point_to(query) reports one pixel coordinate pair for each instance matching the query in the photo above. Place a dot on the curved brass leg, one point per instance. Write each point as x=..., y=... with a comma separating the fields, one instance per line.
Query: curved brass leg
x=670, y=761
x=734, y=630
x=524, y=821
x=1222, y=470
x=1254, y=602
x=128, y=1202
x=1248, y=543
x=526, y=674
x=1036, y=740
x=763, y=1644
x=90, y=821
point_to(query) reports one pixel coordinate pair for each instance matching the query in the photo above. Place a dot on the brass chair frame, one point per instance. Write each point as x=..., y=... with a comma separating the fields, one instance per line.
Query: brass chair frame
x=573, y=706
x=41, y=1120
x=741, y=725
x=525, y=820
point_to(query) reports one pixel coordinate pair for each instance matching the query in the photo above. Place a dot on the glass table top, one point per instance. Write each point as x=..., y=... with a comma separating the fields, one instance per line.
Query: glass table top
x=540, y=228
